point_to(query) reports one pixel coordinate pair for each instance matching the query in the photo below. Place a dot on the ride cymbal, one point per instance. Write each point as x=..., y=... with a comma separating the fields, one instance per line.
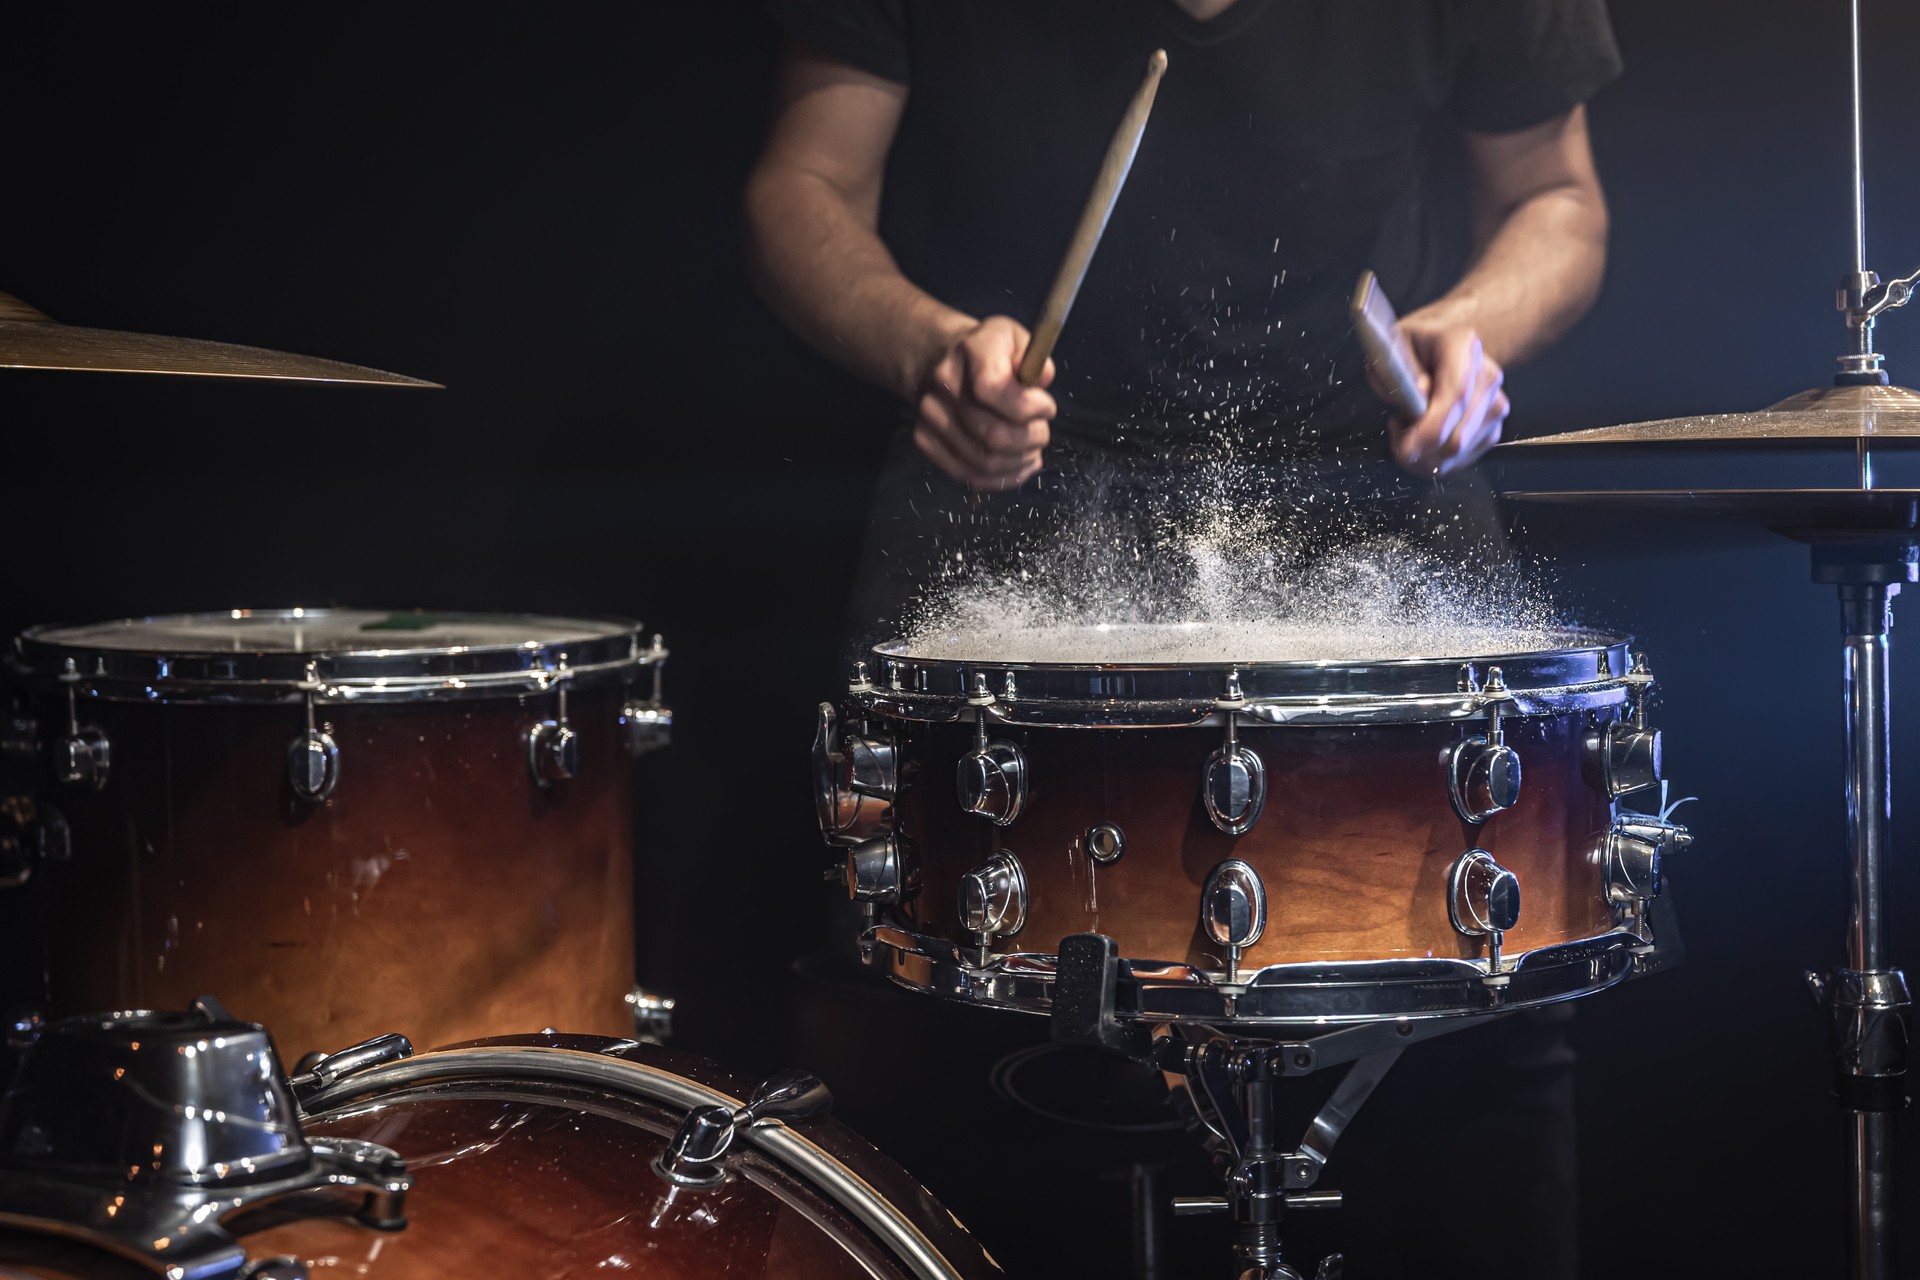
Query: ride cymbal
x=1833, y=460
x=30, y=339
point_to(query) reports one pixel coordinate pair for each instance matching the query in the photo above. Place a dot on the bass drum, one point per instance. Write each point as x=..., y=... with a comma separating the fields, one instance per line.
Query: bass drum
x=534, y=1157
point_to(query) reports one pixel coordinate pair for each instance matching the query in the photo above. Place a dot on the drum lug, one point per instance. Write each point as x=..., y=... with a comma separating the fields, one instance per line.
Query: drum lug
x=992, y=778
x=1634, y=849
x=553, y=752
x=1630, y=748
x=882, y=870
x=1483, y=901
x=855, y=780
x=83, y=756
x=696, y=1154
x=993, y=899
x=1233, y=907
x=1233, y=786
x=1483, y=772
x=313, y=765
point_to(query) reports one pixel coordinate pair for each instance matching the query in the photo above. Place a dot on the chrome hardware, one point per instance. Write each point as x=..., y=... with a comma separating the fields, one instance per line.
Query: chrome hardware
x=83, y=757
x=992, y=778
x=1483, y=901
x=696, y=1154
x=1233, y=907
x=1483, y=772
x=882, y=870
x=993, y=898
x=1234, y=786
x=138, y=1134
x=553, y=752
x=324, y=1070
x=313, y=758
x=553, y=748
x=1634, y=848
x=1105, y=843
x=1631, y=758
x=652, y=1015
x=646, y=726
x=854, y=782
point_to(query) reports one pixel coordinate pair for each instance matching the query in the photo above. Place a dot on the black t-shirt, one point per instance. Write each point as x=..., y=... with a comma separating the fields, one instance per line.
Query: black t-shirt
x=1285, y=153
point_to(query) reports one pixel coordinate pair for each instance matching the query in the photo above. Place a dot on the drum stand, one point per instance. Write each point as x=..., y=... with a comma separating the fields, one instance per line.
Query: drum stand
x=1866, y=1001
x=1231, y=1082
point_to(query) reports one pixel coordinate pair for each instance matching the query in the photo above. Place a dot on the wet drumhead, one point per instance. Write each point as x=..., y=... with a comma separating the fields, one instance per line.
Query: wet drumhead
x=1249, y=643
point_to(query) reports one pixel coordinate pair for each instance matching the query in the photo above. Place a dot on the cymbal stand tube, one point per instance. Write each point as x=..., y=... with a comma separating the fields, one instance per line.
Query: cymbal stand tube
x=1866, y=1002
x=1859, y=162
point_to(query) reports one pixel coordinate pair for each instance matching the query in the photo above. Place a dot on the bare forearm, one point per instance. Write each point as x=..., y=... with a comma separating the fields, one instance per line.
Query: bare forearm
x=1537, y=273
x=823, y=269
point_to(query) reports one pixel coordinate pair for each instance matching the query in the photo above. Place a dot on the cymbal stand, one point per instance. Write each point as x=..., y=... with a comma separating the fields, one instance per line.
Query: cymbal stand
x=1866, y=1001
x=1231, y=1082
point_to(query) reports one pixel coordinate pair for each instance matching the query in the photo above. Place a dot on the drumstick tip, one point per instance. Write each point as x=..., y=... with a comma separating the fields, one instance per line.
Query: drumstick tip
x=1157, y=64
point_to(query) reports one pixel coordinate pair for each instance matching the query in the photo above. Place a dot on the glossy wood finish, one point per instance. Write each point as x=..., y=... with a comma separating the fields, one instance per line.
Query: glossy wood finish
x=1355, y=845
x=540, y=1181
x=439, y=892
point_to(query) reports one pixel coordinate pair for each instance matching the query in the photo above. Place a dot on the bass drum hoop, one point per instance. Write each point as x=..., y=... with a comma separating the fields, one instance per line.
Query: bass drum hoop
x=1588, y=675
x=512, y=1059
x=604, y=650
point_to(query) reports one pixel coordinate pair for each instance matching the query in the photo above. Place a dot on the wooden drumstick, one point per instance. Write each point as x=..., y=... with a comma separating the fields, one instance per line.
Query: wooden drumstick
x=1390, y=358
x=1093, y=222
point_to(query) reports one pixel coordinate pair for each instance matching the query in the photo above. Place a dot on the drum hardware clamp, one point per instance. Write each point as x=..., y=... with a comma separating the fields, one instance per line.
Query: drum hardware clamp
x=648, y=725
x=696, y=1154
x=82, y=758
x=313, y=759
x=1483, y=772
x=652, y=1015
x=1234, y=783
x=230, y=1141
x=1264, y=1182
x=992, y=778
x=1483, y=901
x=553, y=747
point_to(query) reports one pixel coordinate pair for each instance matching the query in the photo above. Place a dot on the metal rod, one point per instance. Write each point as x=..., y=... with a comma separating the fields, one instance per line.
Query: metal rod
x=1868, y=811
x=1870, y=1198
x=1859, y=166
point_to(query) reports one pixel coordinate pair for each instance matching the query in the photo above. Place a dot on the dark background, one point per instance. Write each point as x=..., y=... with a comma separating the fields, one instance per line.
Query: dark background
x=538, y=207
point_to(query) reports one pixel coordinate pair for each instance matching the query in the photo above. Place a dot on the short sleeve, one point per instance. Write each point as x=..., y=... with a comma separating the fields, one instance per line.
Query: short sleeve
x=1523, y=62
x=868, y=34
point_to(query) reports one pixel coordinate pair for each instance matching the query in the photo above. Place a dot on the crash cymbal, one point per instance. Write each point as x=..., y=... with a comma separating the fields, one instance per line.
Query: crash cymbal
x=30, y=339
x=1834, y=461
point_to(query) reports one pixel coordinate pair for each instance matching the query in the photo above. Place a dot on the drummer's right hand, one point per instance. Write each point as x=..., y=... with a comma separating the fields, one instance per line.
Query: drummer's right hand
x=976, y=422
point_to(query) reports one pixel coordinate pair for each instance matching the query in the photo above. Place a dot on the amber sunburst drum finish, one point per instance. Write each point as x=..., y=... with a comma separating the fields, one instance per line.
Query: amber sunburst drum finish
x=443, y=850
x=1264, y=842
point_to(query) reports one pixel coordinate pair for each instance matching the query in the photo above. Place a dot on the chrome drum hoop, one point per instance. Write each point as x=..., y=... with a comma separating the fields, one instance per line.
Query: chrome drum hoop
x=1588, y=675
x=1280, y=996
x=582, y=652
x=593, y=1062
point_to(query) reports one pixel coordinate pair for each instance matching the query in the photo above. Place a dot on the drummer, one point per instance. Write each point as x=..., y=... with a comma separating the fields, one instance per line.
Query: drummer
x=926, y=164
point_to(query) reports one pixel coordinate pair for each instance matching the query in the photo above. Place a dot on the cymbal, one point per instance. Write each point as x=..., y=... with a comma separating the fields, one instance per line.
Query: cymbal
x=30, y=339
x=1826, y=463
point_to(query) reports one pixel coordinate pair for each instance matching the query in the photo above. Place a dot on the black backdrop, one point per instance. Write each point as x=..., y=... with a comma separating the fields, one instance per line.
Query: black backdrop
x=537, y=206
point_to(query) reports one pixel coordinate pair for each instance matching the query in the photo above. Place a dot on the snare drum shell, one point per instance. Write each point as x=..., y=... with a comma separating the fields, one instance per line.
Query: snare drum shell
x=440, y=890
x=1354, y=847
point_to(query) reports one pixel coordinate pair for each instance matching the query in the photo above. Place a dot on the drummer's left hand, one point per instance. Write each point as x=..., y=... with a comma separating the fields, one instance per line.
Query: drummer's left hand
x=1465, y=405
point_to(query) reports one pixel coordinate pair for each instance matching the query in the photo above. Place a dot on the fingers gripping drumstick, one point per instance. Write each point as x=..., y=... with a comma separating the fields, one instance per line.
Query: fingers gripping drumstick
x=1093, y=221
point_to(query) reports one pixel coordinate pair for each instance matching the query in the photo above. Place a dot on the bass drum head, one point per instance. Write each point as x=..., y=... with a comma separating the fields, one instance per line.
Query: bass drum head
x=532, y=1158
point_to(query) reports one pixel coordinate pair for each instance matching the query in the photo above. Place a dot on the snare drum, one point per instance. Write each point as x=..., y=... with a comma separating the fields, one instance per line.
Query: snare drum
x=345, y=821
x=1284, y=842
